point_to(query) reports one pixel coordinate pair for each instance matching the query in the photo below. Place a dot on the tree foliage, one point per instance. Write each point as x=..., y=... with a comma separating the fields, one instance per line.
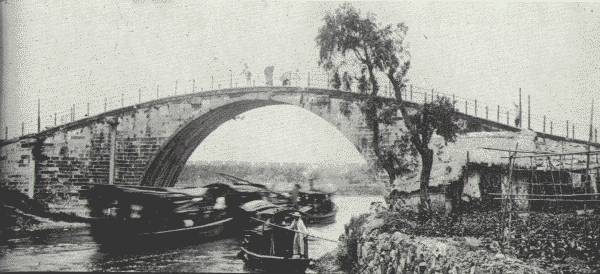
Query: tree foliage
x=359, y=44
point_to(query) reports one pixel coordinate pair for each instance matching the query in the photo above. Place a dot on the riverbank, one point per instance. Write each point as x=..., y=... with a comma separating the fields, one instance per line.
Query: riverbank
x=539, y=243
x=367, y=247
x=19, y=224
x=21, y=216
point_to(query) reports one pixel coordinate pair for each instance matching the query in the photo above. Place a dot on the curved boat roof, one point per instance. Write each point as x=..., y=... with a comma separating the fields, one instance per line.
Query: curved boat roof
x=258, y=205
x=316, y=192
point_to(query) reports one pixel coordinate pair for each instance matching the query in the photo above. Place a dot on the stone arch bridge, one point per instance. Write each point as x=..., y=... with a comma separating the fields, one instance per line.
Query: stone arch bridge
x=149, y=143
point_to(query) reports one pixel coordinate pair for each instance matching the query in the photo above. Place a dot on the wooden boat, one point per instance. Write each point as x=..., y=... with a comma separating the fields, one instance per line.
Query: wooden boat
x=317, y=207
x=272, y=244
x=264, y=193
x=125, y=214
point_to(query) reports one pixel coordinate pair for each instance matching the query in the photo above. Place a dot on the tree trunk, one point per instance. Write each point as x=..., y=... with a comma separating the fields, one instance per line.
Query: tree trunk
x=427, y=162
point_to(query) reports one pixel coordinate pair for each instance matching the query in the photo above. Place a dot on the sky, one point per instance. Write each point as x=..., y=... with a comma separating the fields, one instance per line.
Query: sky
x=67, y=52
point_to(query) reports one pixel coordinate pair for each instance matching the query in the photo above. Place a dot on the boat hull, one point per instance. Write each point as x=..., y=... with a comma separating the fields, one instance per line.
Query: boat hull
x=274, y=264
x=110, y=234
x=324, y=218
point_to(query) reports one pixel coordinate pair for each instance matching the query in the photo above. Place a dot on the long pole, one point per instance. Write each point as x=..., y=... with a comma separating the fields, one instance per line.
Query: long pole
x=567, y=128
x=6, y=133
x=587, y=162
x=528, y=111
x=157, y=92
x=193, y=85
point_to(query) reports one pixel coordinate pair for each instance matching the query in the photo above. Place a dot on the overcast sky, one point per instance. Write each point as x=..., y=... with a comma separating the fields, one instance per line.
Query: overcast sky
x=73, y=52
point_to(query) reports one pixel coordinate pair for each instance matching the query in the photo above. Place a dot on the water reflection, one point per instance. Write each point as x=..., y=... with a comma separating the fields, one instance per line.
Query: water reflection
x=75, y=250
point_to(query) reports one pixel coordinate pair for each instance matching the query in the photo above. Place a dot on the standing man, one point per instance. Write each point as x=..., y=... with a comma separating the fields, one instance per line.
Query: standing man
x=294, y=196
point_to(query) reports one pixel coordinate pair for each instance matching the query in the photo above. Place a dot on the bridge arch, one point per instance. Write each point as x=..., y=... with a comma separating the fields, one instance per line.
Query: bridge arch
x=168, y=163
x=165, y=167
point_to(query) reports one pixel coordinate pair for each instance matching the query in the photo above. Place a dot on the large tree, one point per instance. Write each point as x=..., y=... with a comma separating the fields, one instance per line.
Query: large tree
x=373, y=53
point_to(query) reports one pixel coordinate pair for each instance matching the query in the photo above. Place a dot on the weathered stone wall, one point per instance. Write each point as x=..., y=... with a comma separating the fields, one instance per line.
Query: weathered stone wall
x=17, y=167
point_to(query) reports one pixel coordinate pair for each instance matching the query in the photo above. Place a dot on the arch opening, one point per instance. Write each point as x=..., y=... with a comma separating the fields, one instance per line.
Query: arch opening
x=214, y=129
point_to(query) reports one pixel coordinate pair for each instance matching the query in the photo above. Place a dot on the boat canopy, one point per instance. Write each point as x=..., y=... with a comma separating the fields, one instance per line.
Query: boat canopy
x=315, y=192
x=258, y=205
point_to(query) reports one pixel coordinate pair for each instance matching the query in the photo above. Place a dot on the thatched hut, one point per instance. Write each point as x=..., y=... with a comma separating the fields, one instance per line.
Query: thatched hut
x=466, y=172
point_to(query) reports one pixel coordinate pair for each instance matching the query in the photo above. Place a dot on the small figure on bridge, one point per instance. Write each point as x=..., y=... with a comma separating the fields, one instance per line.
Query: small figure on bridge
x=286, y=78
x=269, y=75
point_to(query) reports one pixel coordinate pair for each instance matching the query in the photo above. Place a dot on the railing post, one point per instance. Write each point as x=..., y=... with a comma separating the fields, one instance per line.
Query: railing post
x=157, y=96
x=498, y=115
x=308, y=79
x=544, y=128
x=212, y=82
x=6, y=133
x=87, y=109
x=486, y=112
x=431, y=95
x=39, y=122
x=466, y=106
x=411, y=92
x=551, y=127
x=122, y=99
x=73, y=113
x=567, y=128
x=139, y=95
x=175, y=91
x=453, y=101
x=55, y=119
x=22, y=128
x=105, y=103
x=573, y=131
x=193, y=85
x=507, y=119
x=475, y=108
x=425, y=97
x=595, y=133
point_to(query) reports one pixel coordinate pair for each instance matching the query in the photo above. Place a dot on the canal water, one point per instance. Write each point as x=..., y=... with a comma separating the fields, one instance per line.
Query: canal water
x=75, y=250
